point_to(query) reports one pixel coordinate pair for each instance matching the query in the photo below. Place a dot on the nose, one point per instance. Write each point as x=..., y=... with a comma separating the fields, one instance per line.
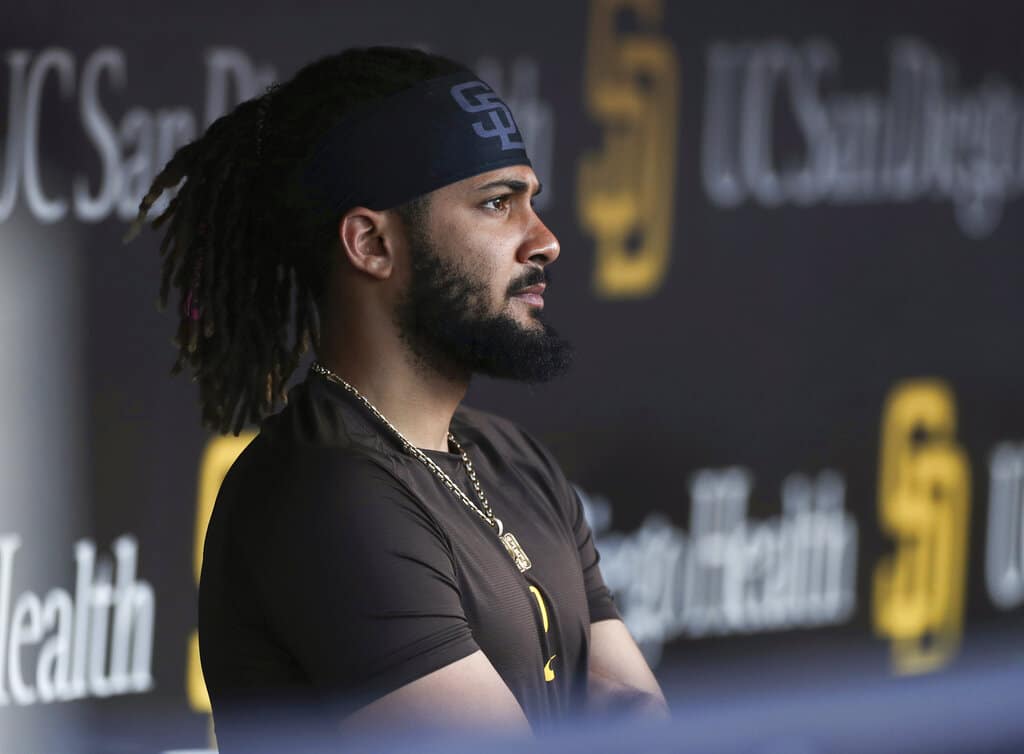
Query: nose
x=540, y=246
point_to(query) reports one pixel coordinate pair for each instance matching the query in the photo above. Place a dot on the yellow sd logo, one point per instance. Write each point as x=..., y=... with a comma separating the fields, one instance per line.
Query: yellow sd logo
x=549, y=673
x=924, y=504
x=627, y=192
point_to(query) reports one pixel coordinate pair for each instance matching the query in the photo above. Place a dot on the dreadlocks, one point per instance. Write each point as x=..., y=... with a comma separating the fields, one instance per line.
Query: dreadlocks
x=247, y=251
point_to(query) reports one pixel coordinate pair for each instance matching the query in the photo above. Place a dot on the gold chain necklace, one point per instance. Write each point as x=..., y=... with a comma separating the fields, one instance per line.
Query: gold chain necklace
x=508, y=539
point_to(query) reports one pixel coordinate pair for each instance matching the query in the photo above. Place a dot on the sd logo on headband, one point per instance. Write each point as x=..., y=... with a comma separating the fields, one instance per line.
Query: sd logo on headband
x=388, y=151
x=484, y=99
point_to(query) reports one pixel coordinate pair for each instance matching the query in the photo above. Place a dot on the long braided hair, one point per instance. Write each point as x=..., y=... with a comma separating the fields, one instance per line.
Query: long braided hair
x=248, y=253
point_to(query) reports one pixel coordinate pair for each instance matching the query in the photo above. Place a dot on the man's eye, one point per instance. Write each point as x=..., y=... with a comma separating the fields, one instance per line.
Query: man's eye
x=498, y=203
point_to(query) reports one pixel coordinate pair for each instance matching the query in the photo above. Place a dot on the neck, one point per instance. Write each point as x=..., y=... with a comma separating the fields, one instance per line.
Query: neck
x=417, y=400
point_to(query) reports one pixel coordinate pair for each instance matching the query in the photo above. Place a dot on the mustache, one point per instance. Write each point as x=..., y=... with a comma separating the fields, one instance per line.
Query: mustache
x=533, y=276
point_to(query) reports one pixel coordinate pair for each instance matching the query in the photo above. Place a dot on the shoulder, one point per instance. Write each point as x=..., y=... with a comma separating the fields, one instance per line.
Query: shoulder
x=510, y=441
x=312, y=492
x=316, y=449
x=483, y=427
x=507, y=436
x=268, y=465
x=475, y=422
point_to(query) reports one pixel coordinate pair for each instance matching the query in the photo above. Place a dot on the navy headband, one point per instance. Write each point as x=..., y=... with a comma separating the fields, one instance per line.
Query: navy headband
x=410, y=143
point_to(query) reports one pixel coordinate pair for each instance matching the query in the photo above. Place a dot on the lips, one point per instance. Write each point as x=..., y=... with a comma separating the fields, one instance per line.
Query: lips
x=533, y=294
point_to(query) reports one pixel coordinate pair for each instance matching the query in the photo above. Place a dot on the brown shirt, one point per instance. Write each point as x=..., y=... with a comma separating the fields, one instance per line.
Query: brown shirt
x=339, y=568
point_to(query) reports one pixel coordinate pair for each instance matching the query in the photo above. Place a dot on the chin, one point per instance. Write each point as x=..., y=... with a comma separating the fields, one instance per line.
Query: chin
x=531, y=321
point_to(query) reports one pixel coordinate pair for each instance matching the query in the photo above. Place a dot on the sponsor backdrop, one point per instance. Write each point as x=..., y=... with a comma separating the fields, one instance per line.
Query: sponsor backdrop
x=791, y=263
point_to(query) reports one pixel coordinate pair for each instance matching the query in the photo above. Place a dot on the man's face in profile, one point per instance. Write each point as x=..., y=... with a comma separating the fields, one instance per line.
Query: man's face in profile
x=477, y=264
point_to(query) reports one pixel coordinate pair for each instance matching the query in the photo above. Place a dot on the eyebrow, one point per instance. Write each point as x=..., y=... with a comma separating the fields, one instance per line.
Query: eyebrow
x=512, y=184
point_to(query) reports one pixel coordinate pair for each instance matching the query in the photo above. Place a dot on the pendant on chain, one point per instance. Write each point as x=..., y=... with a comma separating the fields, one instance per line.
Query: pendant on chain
x=517, y=552
x=512, y=547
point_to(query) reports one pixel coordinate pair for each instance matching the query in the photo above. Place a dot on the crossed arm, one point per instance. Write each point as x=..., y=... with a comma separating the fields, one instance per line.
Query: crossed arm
x=620, y=683
x=469, y=693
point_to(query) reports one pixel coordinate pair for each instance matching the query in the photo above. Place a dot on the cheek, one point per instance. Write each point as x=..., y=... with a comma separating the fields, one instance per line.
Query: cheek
x=483, y=265
x=483, y=256
x=494, y=281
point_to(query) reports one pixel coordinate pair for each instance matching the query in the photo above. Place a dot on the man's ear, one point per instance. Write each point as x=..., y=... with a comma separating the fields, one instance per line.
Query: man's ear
x=367, y=240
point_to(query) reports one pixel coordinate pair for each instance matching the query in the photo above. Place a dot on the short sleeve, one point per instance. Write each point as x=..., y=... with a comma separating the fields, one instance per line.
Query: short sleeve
x=599, y=596
x=358, y=580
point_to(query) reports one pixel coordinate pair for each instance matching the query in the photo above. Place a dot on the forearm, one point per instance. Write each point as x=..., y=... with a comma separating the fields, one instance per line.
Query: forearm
x=610, y=698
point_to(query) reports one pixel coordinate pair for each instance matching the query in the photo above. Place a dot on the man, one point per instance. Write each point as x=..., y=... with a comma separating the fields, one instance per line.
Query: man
x=379, y=548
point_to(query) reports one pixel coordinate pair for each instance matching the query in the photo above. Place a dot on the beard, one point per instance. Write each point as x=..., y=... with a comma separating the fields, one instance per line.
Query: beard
x=444, y=319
